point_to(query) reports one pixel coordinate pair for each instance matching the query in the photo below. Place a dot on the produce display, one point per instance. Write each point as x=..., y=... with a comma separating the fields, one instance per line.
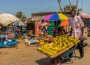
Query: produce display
x=59, y=44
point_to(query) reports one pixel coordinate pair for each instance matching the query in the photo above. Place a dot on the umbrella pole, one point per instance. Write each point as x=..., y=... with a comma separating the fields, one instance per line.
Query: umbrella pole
x=56, y=27
x=3, y=28
x=7, y=29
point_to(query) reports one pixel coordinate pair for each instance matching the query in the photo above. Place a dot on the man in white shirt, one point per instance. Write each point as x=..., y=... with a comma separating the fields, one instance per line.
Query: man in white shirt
x=77, y=26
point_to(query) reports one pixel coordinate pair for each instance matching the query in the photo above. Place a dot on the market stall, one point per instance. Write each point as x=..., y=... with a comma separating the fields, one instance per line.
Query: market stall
x=7, y=41
x=57, y=21
x=7, y=38
x=19, y=29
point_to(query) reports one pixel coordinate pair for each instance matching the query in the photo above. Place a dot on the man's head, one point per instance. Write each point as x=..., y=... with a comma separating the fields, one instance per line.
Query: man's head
x=73, y=12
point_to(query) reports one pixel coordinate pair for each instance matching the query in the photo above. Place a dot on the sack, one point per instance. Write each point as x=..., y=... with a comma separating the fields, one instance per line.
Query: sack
x=5, y=42
x=85, y=40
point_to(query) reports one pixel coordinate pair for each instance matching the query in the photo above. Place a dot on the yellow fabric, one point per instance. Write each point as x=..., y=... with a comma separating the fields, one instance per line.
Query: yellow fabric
x=62, y=16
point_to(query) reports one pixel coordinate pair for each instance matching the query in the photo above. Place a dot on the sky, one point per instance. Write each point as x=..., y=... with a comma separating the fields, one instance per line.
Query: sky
x=36, y=6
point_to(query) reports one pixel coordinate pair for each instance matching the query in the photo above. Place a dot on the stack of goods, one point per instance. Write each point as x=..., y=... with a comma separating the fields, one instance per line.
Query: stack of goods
x=48, y=38
x=30, y=41
x=59, y=44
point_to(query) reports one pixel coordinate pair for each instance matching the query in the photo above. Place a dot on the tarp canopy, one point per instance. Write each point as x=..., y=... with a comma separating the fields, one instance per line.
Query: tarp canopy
x=19, y=24
x=6, y=19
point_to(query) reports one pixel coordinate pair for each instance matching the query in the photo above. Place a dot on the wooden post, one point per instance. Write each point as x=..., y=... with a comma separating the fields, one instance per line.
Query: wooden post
x=70, y=5
x=76, y=7
x=59, y=1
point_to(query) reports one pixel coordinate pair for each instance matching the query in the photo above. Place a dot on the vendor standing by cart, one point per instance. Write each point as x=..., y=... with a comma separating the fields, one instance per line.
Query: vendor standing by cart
x=77, y=26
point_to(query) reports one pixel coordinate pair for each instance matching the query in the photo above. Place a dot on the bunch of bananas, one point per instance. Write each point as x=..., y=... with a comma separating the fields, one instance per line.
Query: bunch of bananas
x=60, y=43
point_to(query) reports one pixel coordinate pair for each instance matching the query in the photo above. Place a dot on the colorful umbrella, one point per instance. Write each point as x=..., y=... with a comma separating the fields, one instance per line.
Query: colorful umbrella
x=65, y=23
x=55, y=17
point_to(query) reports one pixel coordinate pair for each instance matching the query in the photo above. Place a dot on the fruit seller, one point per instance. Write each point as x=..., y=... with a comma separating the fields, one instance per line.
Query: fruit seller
x=77, y=26
x=55, y=31
x=63, y=31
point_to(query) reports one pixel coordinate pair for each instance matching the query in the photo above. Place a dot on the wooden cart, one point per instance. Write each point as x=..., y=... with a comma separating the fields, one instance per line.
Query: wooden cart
x=57, y=58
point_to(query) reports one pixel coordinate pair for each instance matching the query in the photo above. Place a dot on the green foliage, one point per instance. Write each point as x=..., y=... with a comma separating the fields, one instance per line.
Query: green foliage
x=68, y=9
x=20, y=15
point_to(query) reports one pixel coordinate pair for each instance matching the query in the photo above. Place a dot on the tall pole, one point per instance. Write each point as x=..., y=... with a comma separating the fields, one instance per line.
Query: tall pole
x=76, y=7
x=59, y=1
x=70, y=4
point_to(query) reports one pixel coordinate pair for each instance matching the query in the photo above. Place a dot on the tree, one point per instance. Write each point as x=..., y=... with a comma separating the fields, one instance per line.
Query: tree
x=68, y=8
x=21, y=16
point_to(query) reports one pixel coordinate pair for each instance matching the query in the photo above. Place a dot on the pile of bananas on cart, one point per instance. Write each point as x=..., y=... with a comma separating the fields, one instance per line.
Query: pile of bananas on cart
x=60, y=43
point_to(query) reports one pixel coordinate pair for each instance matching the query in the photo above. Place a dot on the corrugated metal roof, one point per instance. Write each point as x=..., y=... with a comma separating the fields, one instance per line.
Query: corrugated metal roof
x=39, y=16
x=36, y=18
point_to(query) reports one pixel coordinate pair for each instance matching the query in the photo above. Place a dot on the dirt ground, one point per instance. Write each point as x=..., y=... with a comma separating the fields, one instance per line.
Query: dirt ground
x=28, y=55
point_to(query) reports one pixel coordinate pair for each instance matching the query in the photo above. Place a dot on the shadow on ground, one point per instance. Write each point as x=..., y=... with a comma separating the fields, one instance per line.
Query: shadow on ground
x=44, y=61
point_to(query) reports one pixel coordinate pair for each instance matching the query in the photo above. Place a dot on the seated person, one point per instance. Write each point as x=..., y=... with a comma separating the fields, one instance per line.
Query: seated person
x=2, y=38
x=10, y=36
x=63, y=31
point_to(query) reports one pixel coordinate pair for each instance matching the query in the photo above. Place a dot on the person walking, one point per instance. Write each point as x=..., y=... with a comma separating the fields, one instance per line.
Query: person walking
x=77, y=26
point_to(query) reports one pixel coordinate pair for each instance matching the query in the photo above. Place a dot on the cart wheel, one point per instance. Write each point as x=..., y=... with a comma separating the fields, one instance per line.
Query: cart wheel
x=56, y=61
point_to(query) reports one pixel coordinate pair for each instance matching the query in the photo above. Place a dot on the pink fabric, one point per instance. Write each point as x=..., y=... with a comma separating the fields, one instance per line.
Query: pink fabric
x=10, y=37
x=85, y=15
x=77, y=24
x=47, y=17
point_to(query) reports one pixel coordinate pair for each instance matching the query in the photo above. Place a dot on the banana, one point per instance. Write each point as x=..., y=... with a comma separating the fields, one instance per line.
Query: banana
x=60, y=43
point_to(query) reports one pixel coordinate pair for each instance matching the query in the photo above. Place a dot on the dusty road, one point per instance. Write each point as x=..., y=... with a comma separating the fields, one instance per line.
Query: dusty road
x=28, y=55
